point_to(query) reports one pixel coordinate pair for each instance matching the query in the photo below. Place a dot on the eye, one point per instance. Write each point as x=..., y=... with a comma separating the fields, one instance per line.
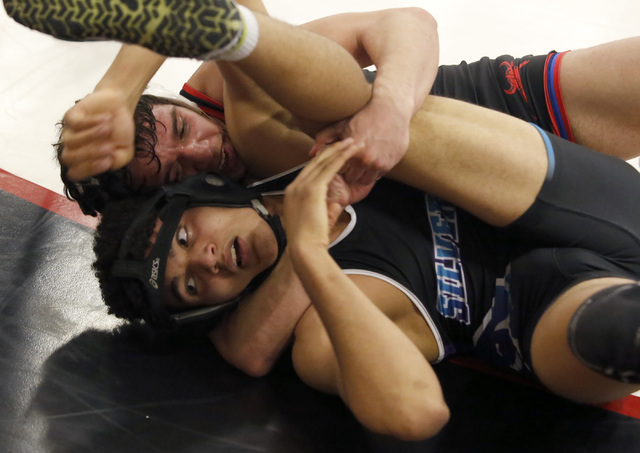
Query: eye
x=191, y=286
x=183, y=128
x=182, y=237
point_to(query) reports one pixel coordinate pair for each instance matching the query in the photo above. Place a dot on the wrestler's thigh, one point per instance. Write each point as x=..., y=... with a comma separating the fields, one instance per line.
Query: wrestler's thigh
x=554, y=363
x=602, y=96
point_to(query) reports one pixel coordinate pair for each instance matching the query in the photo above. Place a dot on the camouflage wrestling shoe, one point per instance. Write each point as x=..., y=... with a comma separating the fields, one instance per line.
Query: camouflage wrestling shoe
x=174, y=28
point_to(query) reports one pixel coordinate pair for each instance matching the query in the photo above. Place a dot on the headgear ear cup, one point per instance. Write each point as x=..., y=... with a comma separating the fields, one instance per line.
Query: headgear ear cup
x=604, y=333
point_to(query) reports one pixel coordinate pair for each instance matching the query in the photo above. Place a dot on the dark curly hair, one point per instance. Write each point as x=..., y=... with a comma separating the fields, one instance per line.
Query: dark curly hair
x=94, y=193
x=119, y=293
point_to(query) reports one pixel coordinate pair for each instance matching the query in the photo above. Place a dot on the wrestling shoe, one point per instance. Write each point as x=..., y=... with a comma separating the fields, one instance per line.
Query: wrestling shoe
x=175, y=28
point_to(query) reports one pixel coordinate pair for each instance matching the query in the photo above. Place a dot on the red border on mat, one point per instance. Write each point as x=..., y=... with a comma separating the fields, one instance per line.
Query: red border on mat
x=59, y=204
x=629, y=405
x=44, y=198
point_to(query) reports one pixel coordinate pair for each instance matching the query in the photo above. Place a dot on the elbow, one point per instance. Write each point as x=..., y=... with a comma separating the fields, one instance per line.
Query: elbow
x=253, y=366
x=243, y=358
x=422, y=424
x=412, y=422
x=436, y=418
x=255, y=370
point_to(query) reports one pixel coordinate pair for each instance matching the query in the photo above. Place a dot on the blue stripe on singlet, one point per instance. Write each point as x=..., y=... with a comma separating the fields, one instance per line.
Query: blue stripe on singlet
x=551, y=156
x=553, y=98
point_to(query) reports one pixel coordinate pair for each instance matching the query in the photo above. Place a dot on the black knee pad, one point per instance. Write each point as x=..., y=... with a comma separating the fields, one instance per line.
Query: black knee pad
x=604, y=333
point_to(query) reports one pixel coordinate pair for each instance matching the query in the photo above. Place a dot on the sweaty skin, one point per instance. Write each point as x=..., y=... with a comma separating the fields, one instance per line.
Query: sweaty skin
x=188, y=143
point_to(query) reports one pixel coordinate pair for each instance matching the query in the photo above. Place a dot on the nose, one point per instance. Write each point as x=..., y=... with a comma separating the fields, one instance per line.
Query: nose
x=196, y=155
x=206, y=258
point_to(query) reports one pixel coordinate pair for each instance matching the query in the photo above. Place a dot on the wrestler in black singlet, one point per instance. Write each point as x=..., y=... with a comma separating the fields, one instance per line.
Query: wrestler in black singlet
x=483, y=289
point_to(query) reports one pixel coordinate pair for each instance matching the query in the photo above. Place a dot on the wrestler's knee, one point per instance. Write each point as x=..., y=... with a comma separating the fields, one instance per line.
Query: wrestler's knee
x=604, y=333
x=585, y=346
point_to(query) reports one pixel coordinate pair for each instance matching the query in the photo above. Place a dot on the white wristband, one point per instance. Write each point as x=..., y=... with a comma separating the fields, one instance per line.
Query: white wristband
x=248, y=39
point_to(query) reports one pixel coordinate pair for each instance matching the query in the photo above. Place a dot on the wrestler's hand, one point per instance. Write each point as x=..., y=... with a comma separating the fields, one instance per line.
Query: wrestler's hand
x=383, y=126
x=97, y=135
x=308, y=213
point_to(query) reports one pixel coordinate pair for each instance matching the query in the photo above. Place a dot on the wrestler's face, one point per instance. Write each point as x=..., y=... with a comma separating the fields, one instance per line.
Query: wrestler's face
x=216, y=252
x=188, y=143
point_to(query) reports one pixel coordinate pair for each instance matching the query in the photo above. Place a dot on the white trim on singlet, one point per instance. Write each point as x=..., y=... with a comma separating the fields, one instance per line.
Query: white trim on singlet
x=274, y=177
x=349, y=228
x=414, y=300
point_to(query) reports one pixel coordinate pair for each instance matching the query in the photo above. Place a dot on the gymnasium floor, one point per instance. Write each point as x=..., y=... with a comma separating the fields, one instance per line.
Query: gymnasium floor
x=71, y=382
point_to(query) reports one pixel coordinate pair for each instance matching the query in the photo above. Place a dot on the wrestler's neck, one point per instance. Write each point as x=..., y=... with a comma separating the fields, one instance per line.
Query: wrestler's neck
x=275, y=206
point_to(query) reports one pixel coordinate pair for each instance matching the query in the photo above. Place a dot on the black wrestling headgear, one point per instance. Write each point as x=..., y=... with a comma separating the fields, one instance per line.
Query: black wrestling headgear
x=205, y=189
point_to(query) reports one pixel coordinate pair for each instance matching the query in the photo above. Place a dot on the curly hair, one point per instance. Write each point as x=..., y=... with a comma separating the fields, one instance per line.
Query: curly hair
x=94, y=193
x=120, y=293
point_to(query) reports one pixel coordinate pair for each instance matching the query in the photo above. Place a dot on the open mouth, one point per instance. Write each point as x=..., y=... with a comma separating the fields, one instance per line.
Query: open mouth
x=223, y=160
x=236, y=254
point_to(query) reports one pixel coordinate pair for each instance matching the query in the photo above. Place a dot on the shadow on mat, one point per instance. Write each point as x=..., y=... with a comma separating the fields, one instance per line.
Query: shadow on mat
x=133, y=391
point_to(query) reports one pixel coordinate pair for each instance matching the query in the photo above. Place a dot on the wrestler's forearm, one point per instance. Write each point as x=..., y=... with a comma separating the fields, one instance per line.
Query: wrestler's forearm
x=381, y=375
x=253, y=336
x=402, y=43
x=131, y=71
x=404, y=47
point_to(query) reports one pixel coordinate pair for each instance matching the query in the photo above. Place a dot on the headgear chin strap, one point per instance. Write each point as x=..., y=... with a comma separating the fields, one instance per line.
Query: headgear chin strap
x=205, y=189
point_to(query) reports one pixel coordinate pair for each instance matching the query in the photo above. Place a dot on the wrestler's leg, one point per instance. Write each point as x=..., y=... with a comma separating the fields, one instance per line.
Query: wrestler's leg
x=282, y=62
x=169, y=27
x=494, y=166
x=601, y=90
x=292, y=85
x=486, y=162
x=554, y=360
x=310, y=75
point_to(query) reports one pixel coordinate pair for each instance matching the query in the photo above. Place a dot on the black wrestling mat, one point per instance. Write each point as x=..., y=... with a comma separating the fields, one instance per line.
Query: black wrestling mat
x=73, y=380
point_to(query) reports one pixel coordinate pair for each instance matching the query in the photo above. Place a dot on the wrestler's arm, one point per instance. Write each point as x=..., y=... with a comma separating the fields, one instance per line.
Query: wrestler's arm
x=378, y=371
x=403, y=44
x=354, y=350
x=101, y=125
x=252, y=337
